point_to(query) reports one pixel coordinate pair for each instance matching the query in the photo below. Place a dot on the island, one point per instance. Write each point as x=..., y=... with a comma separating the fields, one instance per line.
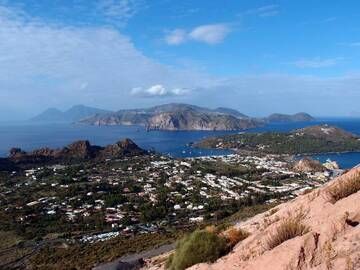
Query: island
x=298, y=117
x=170, y=117
x=177, y=116
x=309, y=140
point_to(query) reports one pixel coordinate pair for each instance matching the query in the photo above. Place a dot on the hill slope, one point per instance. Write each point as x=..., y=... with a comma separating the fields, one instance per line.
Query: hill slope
x=313, y=139
x=330, y=240
x=232, y=112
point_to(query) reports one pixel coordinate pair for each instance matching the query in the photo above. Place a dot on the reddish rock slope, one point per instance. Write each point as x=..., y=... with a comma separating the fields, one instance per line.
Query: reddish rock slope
x=332, y=240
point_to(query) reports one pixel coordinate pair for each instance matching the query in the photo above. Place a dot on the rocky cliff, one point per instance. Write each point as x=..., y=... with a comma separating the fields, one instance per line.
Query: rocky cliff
x=79, y=150
x=329, y=217
x=308, y=165
x=176, y=116
x=193, y=120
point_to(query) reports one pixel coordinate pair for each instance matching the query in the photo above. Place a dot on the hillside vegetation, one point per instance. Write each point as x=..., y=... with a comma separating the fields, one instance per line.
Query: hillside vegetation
x=315, y=139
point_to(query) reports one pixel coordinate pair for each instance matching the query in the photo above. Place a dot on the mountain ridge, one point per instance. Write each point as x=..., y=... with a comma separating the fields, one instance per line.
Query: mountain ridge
x=180, y=116
x=74, y=114
x=171, y=116
x=78, y=150
x=177, y=116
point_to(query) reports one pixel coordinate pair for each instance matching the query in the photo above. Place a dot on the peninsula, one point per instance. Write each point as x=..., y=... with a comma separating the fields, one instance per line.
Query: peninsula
x=309, y=140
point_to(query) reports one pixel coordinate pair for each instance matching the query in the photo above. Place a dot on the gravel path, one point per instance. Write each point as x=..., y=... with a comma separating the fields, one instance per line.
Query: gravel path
x=134, y=261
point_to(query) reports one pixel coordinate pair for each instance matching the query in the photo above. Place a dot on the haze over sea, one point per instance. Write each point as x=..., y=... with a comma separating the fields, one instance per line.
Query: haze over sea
x=175, y=143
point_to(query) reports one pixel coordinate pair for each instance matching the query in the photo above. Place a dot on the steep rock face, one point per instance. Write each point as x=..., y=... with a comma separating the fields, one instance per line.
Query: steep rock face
x=191, y=120
x=308, y=165
x=118, y=118
x=80, y=150
x=176, y=116
x=121, y=148
x=332, y=240
x=76, y=150
x=37, y=156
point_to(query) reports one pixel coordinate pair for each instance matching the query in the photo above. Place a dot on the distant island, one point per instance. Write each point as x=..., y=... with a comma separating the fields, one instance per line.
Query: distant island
x=172, y=117
x=298, y=117
x=74, y=114
x=309, y=140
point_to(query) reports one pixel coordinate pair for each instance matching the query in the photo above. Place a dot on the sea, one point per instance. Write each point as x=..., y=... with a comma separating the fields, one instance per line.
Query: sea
x=29, y=136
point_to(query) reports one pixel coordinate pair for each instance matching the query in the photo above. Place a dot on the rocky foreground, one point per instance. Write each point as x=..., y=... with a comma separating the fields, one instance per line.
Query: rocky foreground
x=329, y=220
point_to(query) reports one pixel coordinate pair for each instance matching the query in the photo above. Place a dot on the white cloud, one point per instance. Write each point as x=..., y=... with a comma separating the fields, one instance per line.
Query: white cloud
x=210, y=34
x=176, y=37
x=316, y=62
x=158, y=90
x=321, y=96
x=55, y=65
x=264, y=11
x=119, y=10
x=44, y=65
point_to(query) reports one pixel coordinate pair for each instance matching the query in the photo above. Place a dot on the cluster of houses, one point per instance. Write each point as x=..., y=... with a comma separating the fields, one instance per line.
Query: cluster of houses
x=188, y=189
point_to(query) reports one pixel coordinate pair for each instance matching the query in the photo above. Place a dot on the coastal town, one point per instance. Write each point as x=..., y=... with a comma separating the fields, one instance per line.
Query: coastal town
x=179, y=135
x=90, y=202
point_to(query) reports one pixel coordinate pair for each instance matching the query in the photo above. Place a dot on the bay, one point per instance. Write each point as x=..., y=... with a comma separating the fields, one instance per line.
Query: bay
x=174, y=143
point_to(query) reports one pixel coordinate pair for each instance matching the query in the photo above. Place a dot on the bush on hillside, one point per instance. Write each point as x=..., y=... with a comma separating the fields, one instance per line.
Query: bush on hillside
x=199, y=246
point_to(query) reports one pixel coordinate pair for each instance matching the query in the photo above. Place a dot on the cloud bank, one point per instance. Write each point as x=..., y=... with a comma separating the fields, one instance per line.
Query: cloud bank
x=53, y=65
x=56, y=65
x=158, y=90
x=118, y=11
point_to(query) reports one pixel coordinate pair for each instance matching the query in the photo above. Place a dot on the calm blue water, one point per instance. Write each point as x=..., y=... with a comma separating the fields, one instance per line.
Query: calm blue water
x=28, y=137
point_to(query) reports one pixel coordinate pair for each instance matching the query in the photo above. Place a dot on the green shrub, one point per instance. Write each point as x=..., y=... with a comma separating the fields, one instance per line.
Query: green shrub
x=199, y=246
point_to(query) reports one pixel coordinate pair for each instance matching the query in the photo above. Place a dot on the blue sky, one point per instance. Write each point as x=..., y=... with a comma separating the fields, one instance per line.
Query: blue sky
x=255, y=56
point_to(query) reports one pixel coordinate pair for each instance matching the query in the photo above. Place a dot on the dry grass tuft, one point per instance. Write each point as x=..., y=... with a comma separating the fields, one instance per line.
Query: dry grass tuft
x=271, y=212
x=344, y=188
x=288, y=229
x=234, y=236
